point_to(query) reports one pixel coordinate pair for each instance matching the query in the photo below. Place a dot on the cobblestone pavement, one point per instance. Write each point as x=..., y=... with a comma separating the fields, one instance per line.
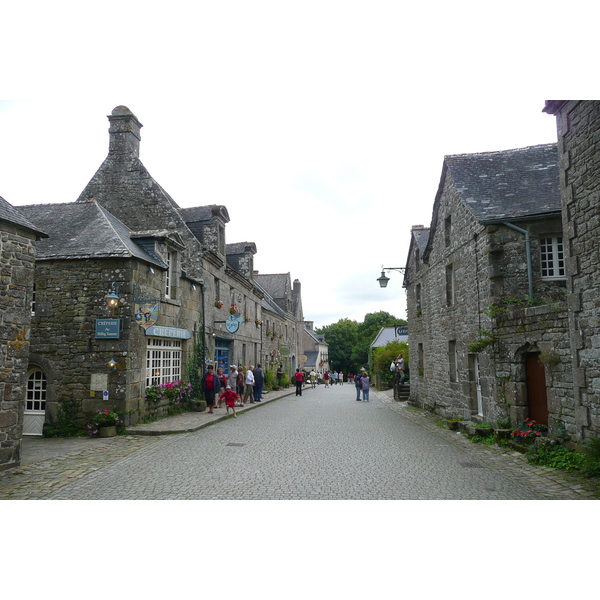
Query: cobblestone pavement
x=323, y=445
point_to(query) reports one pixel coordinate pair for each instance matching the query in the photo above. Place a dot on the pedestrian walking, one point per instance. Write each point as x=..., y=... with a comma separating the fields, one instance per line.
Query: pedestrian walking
x=313, y=379
x=334, y=376
x=326, y=379
x=280, y=375
x=210, y=387
x=222, y=384
x=249, y=389
x=230, y=397
x=299, y=377
x=341, y=378
x=239, y=385
x=358, y=386
x=232, y=378
x=364, y=384
x=259, y=381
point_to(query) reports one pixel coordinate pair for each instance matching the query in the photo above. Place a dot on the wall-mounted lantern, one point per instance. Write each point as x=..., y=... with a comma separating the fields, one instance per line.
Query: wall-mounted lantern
x=112, y=365
x=383, y=280
x=112, y=298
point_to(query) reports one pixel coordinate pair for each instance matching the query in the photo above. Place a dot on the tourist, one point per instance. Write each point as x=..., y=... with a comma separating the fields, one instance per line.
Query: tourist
x=230, y=397
x=210, y=387
x=358, y=386
x=364, y=384
x=299, y=377
x=249, y=390
x=259, y=381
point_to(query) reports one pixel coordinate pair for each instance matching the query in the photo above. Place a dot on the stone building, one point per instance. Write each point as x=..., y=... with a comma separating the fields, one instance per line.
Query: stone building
x=94, y=354
x=282, y=321
x=18, y=238
x=486, y=292
x=578, y=127
x=315, y=348
x=185, y=298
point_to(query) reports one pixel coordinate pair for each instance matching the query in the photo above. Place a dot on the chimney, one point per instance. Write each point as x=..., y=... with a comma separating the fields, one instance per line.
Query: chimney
x=124, y=132
x=297, y=286
x=417, y=227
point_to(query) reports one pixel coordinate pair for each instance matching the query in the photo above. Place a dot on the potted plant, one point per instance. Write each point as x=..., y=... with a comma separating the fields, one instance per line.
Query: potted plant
x=529, y=430
x=233, y=309
x=104, y=423
x=218, y=303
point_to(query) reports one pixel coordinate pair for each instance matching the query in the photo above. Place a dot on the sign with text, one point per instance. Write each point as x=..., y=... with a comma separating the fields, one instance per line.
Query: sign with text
x=109, y=329
x=168, y=332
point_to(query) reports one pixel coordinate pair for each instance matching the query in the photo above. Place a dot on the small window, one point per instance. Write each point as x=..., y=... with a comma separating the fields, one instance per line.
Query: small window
x=552, y=258
x=418, y=299
x=449, y=285
x=33, y=301
x=452, y=361
x=169, y=275
x=448, y=231
x=420, y=359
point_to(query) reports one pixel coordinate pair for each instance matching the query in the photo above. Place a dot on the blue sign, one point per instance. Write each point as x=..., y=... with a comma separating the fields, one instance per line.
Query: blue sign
x=108, y=329
x=401, y=331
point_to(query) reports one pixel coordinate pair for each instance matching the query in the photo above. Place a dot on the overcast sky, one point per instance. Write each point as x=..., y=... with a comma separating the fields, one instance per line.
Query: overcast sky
x=321, y=126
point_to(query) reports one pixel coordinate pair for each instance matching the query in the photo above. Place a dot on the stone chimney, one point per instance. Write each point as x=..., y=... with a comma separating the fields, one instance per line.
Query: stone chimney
x=124, y=132
x=297, y=286
x=417, y=227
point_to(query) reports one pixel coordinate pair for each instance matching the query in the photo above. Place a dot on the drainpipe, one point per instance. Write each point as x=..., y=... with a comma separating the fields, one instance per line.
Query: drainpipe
x=527, y=252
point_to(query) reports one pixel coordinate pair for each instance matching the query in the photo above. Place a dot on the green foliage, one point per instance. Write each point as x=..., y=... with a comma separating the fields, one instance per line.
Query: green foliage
x=383, y=357
x=483, y=439
x=484, y=426
x=195, y=366
x=591, y=466
x=555, y=456
x=349, y=341
x=503, y=424
x=270, y=380
x=481, y=343
x=66, y=423
x=104, y=418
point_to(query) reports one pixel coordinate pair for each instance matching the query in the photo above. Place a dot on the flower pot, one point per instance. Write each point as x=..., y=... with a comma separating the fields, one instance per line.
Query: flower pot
x=108, y=431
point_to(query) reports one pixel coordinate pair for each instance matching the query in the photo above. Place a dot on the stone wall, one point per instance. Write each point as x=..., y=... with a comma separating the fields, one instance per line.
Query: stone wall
x=17, y=260
x=578, y=124
x=70, y=296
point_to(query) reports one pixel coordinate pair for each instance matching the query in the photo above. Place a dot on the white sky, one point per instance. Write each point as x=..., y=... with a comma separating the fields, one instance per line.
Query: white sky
x=321, y=126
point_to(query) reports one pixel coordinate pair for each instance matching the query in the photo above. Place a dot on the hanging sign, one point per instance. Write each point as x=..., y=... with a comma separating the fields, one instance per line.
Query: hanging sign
x=168, y=332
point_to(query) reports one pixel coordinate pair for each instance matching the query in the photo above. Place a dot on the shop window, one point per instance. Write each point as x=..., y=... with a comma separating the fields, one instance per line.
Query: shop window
x=163, y=361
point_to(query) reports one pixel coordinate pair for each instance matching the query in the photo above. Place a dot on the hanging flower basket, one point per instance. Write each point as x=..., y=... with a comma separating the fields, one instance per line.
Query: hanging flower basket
x=218, y=303
x=233, y=310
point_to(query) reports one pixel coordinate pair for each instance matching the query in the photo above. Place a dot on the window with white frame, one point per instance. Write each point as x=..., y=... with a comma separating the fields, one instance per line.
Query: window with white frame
x=552, y=258
x=170, y=259
x=163, y=361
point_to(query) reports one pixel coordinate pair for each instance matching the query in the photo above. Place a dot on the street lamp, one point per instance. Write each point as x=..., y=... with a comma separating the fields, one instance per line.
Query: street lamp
x=383, y=280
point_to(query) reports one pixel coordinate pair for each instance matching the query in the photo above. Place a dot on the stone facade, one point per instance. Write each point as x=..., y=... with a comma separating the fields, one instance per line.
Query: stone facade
x=468, y=281
x=17, y=256
x=578, y=126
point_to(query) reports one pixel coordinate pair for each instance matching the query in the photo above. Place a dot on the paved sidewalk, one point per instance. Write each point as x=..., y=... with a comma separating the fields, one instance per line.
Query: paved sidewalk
x=192, y=421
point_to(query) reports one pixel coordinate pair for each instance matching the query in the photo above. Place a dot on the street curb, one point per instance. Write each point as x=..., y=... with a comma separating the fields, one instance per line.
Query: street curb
x=140, y=430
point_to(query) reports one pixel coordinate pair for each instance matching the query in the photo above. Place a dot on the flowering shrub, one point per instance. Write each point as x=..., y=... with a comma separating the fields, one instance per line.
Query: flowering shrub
x=233, y=310
x=103, y=418
x=218, y=303
x=246, y=318
x=529, y=429
x=258, y=323
x=174, y=392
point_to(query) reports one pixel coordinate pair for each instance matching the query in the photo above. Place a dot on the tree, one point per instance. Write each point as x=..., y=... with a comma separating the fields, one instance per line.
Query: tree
x=341, y=338
x=349, y=341
x=384, y=356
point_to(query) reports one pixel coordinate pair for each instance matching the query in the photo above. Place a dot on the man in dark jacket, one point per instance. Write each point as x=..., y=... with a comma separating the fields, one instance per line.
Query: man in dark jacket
x=259, y=381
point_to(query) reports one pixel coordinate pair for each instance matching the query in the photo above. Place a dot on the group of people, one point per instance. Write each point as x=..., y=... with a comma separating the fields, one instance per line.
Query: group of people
x=245, y=384
x=235, y=389
x=362, y=383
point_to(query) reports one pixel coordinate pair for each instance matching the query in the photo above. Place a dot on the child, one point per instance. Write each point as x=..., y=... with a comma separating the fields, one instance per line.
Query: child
x=230, y=398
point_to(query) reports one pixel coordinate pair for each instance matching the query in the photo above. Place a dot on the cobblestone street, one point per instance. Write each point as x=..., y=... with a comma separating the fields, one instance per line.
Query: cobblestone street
x=323, y=445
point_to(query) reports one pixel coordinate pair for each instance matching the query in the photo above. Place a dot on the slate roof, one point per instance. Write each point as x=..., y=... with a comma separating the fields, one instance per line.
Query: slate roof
x=421, y=237
x=268, y=303
x=12, y=215
x=81, y=230
x=197, y=214
x=387, y=335
x=240, y=248
x=277, y=285
x=508, y=184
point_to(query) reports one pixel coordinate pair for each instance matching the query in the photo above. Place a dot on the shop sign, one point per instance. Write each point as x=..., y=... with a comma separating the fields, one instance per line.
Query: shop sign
x=168, y=332
x=108, y=329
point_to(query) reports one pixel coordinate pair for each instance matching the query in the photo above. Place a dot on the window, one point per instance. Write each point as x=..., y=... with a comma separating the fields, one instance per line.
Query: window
x=552, y=258
x=36, y=391
x=448, y=231
x=452, y=361
x=418, y=299
x=33, y=301
x=163, y=361
x=420, y=359
x=449, y=285
x=169, y=274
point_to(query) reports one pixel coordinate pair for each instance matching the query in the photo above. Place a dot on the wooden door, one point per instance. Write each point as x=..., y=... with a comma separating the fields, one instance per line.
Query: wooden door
x=536, y=388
